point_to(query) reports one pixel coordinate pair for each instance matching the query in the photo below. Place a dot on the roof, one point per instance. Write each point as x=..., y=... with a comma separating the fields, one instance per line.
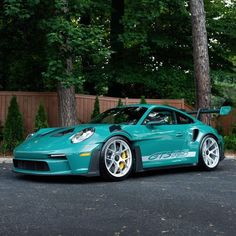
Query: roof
x=149, y=106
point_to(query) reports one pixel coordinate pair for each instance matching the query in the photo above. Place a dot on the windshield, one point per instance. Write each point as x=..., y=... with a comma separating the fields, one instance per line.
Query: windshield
x=120, y=115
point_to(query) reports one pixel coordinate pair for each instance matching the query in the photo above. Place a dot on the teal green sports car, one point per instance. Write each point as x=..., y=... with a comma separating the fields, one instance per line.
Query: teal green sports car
x=123, y=140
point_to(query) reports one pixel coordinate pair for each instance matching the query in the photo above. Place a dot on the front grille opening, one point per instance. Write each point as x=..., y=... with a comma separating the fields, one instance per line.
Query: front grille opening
x=31, y=165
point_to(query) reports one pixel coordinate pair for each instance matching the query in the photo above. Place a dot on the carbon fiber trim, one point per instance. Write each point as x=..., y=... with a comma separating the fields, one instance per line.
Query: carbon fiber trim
x=94, y=163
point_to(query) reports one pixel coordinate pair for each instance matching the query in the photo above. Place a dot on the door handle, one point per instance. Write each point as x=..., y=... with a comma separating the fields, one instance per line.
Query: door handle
x=179, y=134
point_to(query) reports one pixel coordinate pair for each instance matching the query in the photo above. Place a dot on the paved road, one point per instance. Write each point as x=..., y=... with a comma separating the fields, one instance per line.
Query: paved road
x=174, y=202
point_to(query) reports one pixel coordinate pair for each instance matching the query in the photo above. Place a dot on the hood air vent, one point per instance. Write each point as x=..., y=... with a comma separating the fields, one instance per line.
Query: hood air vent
x=64, y=132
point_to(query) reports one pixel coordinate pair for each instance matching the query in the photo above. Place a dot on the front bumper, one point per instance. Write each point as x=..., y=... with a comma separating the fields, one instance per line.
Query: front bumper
x=69, y=164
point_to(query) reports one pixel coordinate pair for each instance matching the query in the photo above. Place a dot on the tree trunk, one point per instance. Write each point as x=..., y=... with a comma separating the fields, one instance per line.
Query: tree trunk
x=66, y=100
x=200, y=56
x=66, y=95
x=66, y=105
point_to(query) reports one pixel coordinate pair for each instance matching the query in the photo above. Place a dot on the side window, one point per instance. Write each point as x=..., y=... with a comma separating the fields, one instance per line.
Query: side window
x=182, y=119
x=160, y=116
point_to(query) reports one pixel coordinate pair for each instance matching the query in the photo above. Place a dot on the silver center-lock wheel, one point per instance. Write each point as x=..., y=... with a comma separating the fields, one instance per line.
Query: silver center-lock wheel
x=117, y=159
x=210, y=153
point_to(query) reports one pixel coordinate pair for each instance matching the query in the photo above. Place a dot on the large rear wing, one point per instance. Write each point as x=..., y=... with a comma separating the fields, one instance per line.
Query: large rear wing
x=223, y=111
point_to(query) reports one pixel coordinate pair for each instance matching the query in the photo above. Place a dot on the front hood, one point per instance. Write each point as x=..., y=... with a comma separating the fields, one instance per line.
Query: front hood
x=55, y=138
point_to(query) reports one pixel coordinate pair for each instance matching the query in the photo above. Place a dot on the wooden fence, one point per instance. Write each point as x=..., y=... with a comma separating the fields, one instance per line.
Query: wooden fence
x=29, y=103
x=226, y=123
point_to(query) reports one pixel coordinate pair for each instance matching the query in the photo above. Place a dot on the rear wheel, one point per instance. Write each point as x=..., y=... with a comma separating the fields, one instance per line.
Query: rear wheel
x=209, y=153
x=116, y=159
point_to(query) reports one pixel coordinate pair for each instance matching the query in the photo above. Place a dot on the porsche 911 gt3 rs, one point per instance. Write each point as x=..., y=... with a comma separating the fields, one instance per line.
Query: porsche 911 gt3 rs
x=123, y=140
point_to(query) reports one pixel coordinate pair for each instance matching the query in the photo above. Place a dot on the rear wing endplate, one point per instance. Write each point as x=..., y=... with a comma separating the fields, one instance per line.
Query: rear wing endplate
x=223, y=111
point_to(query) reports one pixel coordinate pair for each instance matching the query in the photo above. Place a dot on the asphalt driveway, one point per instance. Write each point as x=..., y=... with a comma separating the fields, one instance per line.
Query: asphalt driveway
x=170, y=202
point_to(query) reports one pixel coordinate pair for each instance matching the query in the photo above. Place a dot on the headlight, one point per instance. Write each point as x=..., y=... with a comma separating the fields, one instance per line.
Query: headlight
x=82, y=135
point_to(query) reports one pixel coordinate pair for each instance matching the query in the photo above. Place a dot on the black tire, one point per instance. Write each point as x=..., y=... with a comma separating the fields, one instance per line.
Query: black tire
x=209, y=155
x=116, y=165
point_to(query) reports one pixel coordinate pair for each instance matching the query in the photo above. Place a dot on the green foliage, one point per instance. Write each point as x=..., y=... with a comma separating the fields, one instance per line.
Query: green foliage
x=167, y=82
x=13, y=129
x=57, y=29
x=224, y=87
x=222, y=49
x=152, y=42
x=120, y=103
x=22, y=57
x=222, y=34
x=230, y=142
x=96, y=109
x=41, y=118
x=19, y=9
x=69, y=41
x=142, y=100
x=234, y=130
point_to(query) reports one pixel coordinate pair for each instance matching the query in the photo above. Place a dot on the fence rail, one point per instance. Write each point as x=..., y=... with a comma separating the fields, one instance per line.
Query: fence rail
x=29, y=103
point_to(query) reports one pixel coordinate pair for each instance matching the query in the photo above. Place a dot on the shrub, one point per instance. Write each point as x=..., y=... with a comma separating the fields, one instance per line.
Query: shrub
x=120, y=103
x=234, y=130
x=13, y=131
x=41, y=120
x=230, y=142
x=142, y=100
x=1, y=132
x=96, y=109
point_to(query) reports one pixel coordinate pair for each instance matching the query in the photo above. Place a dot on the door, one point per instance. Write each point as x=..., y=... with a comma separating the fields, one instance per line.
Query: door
x=163, y=141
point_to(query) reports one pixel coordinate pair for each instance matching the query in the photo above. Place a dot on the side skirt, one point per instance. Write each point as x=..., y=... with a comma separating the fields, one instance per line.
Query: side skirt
x=170, y=167
x=139, y=163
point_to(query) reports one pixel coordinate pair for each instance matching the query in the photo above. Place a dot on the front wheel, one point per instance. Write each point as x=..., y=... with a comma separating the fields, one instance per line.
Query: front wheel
x=209, y=153
x=116, y=159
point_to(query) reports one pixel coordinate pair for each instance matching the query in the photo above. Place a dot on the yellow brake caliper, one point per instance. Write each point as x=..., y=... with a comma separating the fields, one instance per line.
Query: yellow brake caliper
x=123, y=156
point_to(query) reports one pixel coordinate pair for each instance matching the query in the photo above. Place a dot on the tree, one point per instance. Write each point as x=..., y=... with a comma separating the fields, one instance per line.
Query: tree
x=120, y=103
x=96, y=109
x=69, y=41
x=200, y=55
x=13, y=130
x=221, y=30
x=41, y=118
x=1, y=132
x=117, y=47
x=151, y=44
x=22, y=54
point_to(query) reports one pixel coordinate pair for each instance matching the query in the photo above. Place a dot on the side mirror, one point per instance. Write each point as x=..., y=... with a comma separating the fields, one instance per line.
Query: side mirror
x=225, y=110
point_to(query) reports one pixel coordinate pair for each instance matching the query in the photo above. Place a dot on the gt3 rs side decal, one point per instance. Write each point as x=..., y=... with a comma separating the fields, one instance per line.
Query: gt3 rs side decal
x=169, y=155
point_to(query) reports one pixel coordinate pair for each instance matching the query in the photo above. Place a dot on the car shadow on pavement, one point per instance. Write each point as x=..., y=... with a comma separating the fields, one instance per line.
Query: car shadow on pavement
x=177, y=171
x=166, y=171
x=60, y=179
x=76, y=179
